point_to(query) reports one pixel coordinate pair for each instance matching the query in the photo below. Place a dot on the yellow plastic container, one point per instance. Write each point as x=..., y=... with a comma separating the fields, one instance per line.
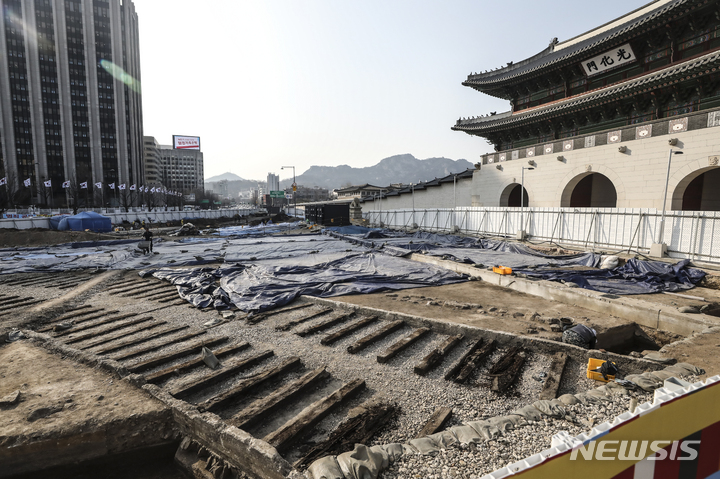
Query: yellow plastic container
x=502, y=270
x=592, y=374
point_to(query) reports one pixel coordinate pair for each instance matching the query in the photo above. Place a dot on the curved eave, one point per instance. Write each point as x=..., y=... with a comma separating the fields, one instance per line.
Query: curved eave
x=699, y=66
x=541, y=63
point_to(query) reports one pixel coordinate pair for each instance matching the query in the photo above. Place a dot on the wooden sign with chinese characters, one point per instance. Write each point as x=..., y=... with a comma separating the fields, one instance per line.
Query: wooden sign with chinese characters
x=609, y=60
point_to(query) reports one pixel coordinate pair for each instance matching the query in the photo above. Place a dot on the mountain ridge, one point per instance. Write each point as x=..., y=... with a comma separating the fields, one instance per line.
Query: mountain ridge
x=404, y=168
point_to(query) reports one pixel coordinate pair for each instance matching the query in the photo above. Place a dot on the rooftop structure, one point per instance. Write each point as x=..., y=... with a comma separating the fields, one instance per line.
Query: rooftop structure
x=650, y=73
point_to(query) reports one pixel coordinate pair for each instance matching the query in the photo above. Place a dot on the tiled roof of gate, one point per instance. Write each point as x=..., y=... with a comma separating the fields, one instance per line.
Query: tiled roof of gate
x=695, y=67
x=585, y=45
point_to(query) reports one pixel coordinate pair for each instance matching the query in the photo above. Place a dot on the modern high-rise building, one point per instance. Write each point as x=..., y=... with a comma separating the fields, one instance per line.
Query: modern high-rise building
x=182, y=169
x=70, y=101
x=273, y=182
x=152, y=161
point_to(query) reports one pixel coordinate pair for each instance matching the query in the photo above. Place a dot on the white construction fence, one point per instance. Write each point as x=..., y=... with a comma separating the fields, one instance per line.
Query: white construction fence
x=693, y=235
x=118, y=216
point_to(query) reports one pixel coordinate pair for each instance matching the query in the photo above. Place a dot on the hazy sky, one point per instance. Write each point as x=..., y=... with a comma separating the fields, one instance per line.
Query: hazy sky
x=269, y=83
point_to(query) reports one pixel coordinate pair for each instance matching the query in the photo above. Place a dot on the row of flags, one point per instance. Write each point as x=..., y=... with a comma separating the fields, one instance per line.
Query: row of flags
x=84, y=185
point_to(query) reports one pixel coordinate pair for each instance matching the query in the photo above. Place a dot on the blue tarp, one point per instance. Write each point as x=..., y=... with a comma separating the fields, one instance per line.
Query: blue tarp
x=87, y=220
x=55, y=221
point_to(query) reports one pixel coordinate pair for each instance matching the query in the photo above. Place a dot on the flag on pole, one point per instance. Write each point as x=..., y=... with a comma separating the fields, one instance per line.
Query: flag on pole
x=48, y=183
x=152, y=190
x=98, y=184
x=3, y=180
x=83, y=185
x=121, y=187
x=66, y=184
x=112, y=186
x=146, y=189
x=26, y=182
x=132, y=188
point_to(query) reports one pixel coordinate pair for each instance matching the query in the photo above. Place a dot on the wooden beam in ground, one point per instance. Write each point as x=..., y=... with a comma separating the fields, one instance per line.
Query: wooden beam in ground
x=23, y=281
x=552, y=382
x=436, y=355
x=139, y=351
x=436, y=421
x=159, y=295
x=146, y=289
x=35, y=281
x=73, y=284
x=263, y=406
x=126, y=287
x=159, y=359
x=184, y=390
x=457, y=365
x=111, y=348
x=125, y=282
x=403, y=343
x=178, y=369
x=168, y=300
x=386, y=330
x=260, y=316
x=11, y=309
x=85, y=324
x=349, y=329
x=328, y=323
x=123, y=333
x=309, y=416
x=243, y=386
x=507, y=369
x=474, y=360
x=112, y=321
x=295, y=322
x=12, y=299
x=358, y=429
x=71, y=314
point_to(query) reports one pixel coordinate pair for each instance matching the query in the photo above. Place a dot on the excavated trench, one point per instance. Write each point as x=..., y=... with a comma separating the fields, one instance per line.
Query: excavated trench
x=291, y=379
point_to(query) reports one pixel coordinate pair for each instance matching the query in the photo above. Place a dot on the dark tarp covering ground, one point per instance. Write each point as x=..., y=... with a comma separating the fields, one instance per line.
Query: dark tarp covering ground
x=635, y=277
x=259, y=273
x=262, y=287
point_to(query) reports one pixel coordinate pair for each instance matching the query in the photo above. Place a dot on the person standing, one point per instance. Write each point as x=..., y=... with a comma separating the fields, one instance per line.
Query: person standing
x=147, y=236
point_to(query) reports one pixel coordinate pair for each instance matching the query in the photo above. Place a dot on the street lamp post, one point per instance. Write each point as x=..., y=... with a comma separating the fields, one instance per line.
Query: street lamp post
x=522, y=201
x=661, y=235
x=294, y=187
x=454, y=200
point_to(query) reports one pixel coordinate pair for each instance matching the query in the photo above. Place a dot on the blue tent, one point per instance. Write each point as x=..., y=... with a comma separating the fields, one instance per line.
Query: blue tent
x=87, y=220
x=55, y=221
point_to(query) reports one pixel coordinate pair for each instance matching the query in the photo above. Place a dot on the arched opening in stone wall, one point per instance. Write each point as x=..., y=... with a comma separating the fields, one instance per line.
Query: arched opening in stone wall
x=699, y=191
x=590, y=190
x=511, y=196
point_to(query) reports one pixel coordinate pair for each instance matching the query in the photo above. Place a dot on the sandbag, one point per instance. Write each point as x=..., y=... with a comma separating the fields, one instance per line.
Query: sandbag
x=685, y=369
x=425, y=446
x=663, y=374
x=325, y=468
x=616, y=389
x=568, y=399
x=506, y=423
x=444, y=438
x=485, y=429
x=549, y=408
x=363, y=462
x=609, y=262
x=644, y=382
x=528, y=412
x=394, y=450
x=466, y=434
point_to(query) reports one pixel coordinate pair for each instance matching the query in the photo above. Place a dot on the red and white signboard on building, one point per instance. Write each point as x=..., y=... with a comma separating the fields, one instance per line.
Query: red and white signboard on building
x=186, y=142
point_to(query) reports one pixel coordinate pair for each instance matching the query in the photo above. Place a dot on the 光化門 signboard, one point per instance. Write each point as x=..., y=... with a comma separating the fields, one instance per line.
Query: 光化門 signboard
x=186, y=142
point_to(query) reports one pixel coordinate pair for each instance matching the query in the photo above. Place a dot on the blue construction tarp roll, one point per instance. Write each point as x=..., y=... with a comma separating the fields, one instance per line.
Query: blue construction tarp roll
x=87, y=220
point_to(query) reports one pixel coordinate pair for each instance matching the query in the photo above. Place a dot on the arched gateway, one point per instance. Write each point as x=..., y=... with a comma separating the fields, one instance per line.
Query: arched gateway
x=589, y=190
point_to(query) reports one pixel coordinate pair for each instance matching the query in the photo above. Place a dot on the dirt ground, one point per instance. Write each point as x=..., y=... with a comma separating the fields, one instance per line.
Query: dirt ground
x=487, y=306
x=59, y=395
